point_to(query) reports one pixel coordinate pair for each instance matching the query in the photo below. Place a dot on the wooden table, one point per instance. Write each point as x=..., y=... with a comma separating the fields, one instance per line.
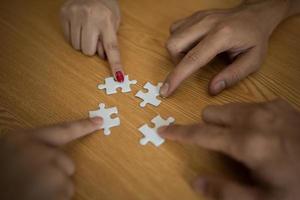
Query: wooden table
x=44, y=81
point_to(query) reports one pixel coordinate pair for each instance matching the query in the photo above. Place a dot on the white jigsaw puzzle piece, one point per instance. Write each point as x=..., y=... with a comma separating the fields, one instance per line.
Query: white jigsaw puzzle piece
x=151, y=96
x=151, y=133
x=106, y=113
x=111, y=85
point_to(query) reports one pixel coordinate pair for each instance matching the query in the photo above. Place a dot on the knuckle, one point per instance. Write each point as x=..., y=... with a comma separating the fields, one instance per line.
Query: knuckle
x=73, y=8
x=192, y=56
x=175, y=25
x=224, y=29
x=257, y=147
x=210, y=18
x=172, y=46
x=107, y=14
x=263, y=115
x=234, y=77
x=87, y=10
x=112, y=46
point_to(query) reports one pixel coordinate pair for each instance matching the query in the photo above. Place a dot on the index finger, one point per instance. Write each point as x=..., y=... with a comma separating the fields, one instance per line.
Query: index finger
x=198, y=57
x=111, y=47
x=208, y=136
x=62, y=134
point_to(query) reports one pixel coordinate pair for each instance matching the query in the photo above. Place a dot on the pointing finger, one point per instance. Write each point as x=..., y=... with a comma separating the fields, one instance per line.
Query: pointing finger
x=204, y=52
x=207, y=136
x=62, y=134
x=183, y=40
x=111, y=47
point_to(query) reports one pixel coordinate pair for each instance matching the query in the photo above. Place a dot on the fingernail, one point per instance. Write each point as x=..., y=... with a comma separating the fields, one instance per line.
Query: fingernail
x=97, y=120
x=120, y=76
x=161, y=130
x=219, y=86
x=200, y=185
x=164, y=90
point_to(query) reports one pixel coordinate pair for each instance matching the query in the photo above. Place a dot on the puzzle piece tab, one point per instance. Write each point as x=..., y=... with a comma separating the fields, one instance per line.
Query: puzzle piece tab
x=111, y=85
x=106, y=113
x=151, y=96
x=151, y=133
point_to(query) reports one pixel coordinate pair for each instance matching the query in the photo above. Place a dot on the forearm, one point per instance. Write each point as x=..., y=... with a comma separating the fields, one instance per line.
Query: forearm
x=272, y=12
x=294, y=7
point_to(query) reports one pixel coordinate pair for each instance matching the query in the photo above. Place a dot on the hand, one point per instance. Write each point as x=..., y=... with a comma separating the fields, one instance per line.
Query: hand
x=265, y=137
x=91, y=26
x=32, y=165
x=242, y=33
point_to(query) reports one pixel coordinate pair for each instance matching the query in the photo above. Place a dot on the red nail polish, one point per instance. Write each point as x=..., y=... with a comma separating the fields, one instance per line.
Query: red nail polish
x=119, y=76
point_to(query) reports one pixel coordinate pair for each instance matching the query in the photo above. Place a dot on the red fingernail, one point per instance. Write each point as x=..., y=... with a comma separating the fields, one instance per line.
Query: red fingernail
x=119, y=76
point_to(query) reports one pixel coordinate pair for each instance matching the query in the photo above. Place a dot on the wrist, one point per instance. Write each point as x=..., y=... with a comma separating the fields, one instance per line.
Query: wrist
x=270, y=12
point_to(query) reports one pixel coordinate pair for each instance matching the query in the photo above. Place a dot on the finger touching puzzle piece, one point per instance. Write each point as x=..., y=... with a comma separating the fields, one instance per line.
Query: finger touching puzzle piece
x=150, y=134
x=151, y=96
x=106, y=113
x=111, y=85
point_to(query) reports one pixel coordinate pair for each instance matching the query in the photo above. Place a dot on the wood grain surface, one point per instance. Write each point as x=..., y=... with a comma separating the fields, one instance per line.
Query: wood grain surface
x=44, y=81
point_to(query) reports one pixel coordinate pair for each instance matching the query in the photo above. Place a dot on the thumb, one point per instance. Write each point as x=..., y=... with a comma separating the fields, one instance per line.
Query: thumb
x=214, y=188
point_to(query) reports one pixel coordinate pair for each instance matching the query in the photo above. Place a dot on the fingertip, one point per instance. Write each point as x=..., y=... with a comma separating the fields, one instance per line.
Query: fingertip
x=119, y=76
x=217, y=87
x=164, y=90
x=162, y=131
x=98, y=121
x=205, y=113
x=172, y=82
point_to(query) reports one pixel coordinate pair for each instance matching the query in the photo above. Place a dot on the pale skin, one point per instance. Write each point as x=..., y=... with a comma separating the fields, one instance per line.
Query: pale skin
x=242, y=33
x=91, y=27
